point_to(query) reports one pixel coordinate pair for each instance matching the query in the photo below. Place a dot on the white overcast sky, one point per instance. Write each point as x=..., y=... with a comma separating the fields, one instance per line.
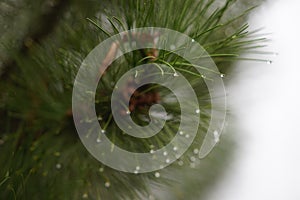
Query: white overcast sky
x=266, y=99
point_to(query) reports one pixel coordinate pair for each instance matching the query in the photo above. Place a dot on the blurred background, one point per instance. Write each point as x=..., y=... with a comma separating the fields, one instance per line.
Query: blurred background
x=266, y=103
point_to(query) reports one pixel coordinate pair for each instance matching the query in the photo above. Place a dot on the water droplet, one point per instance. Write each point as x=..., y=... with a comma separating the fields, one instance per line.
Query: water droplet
x=136, y=172
x=128, y=112
x=196, y=151
x=222, y=75
x=165, y=153
x=85, y=196
x=152, y=151
x=203, y=76
x=198, y=111
x=192, y=159
x=98, y=140
x=172, y=47
x=193, y=40
x=107, y=184
x=216, y=136
x=102, y=131
x=175, y=148
x=137, y=167
x=58, y=166
x=175, y=74
x=157, y=174
x=269, y=62
x=187, y=136
x=167, y=160
x=101, y=169
x=180, y=132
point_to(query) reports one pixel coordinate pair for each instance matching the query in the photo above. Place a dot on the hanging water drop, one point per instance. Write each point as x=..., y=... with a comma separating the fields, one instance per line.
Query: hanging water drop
x=175, y=148
x=102, y=131
x=175, y=74
x=167, y=160
x=98, y=140
x=157, y=174
x=222, y=75
x=269, y=62
x=128, y=112
x=58, y=166
x=187, y=136
x=193, y=40
x=85, y=196
x=216, y=136
x=165, y=153
x=107, y=184
x=192, y=159
x=152, y=151
x=180, y=132
x=196, y=151
x=198, y=111
x=101, y=169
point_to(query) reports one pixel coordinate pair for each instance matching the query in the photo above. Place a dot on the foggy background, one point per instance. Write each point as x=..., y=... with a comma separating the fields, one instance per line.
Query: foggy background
x=266, y=101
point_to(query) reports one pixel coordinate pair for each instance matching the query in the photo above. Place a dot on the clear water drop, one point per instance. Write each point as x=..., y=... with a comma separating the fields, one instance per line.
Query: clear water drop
x=152, y=151
x=269, y=62
x=58, y=166
x=85, y=196
x=197, y=111
x=193, y=40
x=101, y=169
x=192, y=159
x=187, y=136
x=98, y=140
x=222, y=75
x=102, y=131
x=136, y=172
x=180, y=132
x=107, y=184
x=175, y=148
x=216, y=136
x=172, y=47
x=196, y=151
x=137, y=167
x=165, y=153
x=167, y=160
x=157, y=174
x=175, y=74
x=128, y=112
